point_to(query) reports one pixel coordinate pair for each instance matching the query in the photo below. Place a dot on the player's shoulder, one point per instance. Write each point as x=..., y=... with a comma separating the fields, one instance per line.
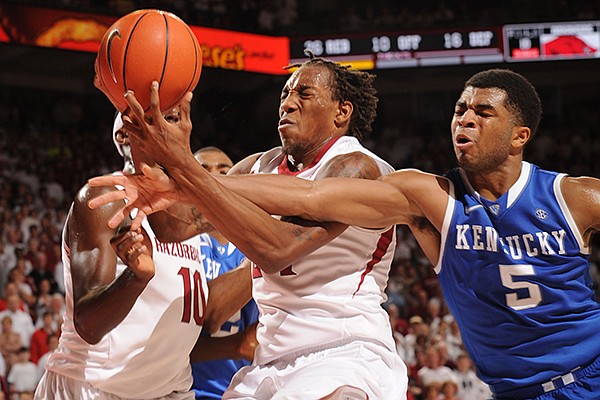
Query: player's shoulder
x=245, y=165
x=580, y=189
x=355, y=164
x=88, y=192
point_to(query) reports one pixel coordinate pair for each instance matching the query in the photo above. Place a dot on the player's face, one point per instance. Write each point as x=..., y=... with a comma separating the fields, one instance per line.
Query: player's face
x=214, y=162
x=306, y=111
x=482, y=129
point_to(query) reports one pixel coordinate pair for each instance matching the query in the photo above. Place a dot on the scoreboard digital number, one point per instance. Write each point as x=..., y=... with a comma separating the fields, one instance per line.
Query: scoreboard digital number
x=552, y=41
x=407, y=49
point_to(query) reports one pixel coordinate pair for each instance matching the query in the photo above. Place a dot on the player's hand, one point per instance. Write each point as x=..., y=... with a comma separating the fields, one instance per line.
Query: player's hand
x=133, y=248
x=165, y=142
x=148, y=192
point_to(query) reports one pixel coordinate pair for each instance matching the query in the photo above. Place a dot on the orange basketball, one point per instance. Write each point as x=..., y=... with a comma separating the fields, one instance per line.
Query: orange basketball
x=145, y=46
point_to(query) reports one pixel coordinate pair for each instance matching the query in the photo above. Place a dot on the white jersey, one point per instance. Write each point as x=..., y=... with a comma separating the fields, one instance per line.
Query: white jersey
x=146, y=355
x=333, y=295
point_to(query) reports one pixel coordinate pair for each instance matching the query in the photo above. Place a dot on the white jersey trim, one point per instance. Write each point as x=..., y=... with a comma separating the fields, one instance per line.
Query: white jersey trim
x=446, y=225
x=568, y=216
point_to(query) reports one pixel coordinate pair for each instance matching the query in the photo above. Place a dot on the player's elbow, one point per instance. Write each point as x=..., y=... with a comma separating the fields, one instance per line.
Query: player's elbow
x=268, y=264
x=87, y=333
x=275, y=260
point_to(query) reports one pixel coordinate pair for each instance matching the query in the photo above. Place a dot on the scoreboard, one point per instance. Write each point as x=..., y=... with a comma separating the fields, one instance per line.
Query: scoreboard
x=404, y=49
x=552, y=41
x=489, y=45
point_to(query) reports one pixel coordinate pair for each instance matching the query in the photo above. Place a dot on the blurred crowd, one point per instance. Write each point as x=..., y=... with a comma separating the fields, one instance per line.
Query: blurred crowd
x=288, y=17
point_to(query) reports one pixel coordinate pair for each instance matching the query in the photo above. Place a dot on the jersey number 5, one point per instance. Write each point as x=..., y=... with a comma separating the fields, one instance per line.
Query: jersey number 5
x=507, y=274
x=193, y=300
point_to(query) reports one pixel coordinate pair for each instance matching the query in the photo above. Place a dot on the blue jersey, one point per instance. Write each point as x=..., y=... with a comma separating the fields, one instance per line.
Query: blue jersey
x=515, y=275
x=211, y=378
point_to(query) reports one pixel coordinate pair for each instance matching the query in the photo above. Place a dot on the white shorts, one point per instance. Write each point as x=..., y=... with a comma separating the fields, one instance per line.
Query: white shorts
x=370, y=367
x=54, y=386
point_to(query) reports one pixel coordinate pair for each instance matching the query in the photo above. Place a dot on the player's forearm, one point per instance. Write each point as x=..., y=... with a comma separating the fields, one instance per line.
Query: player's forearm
x=276, y=194
x=103, y=308
x=178, y=223
x=228, y=293
x=349, y=201
x=260, y=237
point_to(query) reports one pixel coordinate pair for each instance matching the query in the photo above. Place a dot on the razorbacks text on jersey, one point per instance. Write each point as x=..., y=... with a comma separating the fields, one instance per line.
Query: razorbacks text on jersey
x=515, y=275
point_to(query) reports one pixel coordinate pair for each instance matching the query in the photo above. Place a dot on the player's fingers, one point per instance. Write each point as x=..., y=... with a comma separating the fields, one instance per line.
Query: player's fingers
x=155, y=104
x=107, y=180
x=106, y=198
x=137, y=221
x=185, y=108
x=132, y=126
x=138, y=112
x=118, y=217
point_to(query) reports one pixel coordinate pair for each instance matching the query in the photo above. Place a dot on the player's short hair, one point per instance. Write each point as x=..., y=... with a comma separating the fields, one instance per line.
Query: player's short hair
x=209, y=148
x=353, y=86
x=521, y=97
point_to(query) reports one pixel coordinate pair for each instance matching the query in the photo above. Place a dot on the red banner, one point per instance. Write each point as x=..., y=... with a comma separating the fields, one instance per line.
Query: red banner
x=72, y=30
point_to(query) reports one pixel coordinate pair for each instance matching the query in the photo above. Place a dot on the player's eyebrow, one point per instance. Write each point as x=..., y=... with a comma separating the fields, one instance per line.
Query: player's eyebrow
x=218, y=165
x=478, y=106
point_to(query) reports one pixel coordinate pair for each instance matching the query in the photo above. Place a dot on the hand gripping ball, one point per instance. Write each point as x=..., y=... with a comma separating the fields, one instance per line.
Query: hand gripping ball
x=145, y=46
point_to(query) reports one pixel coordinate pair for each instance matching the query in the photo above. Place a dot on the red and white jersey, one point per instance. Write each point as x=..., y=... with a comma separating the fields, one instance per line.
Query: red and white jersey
x=334, y=294
x=145, y=356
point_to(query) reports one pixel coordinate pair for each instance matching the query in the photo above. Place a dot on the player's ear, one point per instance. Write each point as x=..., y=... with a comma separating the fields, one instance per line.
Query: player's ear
x=521, y=136
x=344, y=112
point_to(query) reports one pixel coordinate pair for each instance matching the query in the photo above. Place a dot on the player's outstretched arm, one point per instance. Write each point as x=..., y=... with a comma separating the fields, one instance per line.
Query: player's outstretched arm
x=391, y=199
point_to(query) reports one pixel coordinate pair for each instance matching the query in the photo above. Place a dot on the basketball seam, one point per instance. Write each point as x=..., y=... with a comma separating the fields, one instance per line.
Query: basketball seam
x=196, y=48
x=126, y=53
x=167, y=33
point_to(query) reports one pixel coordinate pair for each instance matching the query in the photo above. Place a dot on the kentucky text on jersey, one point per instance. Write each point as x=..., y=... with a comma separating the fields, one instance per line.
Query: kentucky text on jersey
x=181, y=250
x=533, y=244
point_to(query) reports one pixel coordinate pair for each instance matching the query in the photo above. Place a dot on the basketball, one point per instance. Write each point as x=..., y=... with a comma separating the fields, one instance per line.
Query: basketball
x=145, y=46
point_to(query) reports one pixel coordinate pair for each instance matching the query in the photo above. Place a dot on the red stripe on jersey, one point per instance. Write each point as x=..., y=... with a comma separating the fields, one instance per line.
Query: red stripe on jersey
x=67, y=250
x=284, y=168
x=382, y=246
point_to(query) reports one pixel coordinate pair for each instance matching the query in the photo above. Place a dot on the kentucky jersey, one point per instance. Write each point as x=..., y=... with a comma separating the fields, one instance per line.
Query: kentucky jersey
x=515, y=274
x=211, y=378
x=146, y=355
x=332, y=295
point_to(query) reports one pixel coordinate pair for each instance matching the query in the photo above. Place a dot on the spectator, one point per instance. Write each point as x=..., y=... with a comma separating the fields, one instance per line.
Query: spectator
x=24, y=289
x=57, y=308
x=470, y=387
x=21, y=321
x=11, y=288
x=43, y=301
x=10, y=342
x=39, y=338
x=434, y=371
x=23, y=376
x=449, y=391
x=52, y=344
